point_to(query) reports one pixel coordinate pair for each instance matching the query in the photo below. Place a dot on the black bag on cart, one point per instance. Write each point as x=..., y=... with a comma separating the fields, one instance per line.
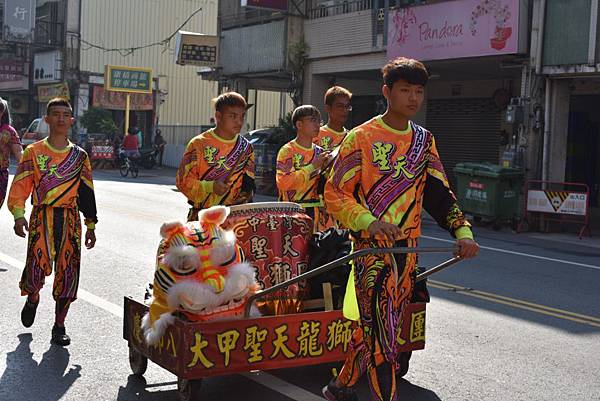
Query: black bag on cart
x=325, y=247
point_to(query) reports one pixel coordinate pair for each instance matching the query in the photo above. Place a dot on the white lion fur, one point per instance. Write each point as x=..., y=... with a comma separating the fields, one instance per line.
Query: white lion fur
x=202, y=295
x=153, y=332
x=180, y=258
x=239, y=276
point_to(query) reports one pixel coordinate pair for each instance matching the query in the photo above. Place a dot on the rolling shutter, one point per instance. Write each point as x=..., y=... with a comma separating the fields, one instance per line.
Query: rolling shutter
x=465, y=130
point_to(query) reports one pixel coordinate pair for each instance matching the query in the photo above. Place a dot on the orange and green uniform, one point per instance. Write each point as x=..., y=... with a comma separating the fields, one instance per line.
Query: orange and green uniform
x=209, y=158
x=59, y=182
x=8, y=138
x=329, y=138
x=298, y=181
x=387, y=175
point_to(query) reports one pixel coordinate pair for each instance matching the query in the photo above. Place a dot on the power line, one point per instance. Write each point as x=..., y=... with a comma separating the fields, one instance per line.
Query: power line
x=126, y=51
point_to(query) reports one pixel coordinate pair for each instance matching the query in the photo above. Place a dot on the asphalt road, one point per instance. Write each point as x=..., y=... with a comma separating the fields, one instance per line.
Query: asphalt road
x=520, y=322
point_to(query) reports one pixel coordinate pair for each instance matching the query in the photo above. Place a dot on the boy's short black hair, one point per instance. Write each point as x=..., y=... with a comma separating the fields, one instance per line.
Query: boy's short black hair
x=231, y=99
x=410, y=70
x=306, y=110
x=336, y=91
x=58, y=101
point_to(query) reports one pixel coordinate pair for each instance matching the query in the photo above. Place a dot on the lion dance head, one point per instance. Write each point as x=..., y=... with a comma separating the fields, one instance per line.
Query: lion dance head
x=200, y=274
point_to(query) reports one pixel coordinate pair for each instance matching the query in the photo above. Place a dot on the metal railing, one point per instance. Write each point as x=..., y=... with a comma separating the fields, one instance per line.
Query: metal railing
x=345, y=259
x=328, y=9
x=49, y=33
x=249, y=17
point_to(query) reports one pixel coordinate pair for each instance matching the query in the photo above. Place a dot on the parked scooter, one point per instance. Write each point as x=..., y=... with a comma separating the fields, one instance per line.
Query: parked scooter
x=148, y=158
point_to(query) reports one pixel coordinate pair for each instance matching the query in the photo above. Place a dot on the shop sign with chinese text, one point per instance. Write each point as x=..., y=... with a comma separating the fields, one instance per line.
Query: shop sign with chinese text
x=128, y=79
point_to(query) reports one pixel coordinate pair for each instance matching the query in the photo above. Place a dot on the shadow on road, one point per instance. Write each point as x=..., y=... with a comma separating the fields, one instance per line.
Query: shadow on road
x=137, y=389
x=409, y=391
x=26, y=379
x=406, y=391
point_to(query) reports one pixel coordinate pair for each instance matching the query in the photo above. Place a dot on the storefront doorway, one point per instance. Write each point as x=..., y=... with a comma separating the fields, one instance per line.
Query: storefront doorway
x=583, y=144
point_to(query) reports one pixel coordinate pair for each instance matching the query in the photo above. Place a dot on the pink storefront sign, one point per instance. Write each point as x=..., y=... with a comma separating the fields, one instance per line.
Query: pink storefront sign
x=454, y=29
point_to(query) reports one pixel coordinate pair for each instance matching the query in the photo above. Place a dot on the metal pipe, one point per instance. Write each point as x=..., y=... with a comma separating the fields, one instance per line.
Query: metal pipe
x=546, y=140
x=540, y=41
x=438, y=268
x=593, y=29
x=342, y=261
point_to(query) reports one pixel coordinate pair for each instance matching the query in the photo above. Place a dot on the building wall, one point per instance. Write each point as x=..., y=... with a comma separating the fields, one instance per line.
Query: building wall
x=318, y=72
x=245, y=54
x=122, y=24
x=329, y=37
x=269, y=106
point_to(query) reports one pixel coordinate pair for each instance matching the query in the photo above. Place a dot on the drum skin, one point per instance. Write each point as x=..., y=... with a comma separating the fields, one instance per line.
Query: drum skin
x=274, y=237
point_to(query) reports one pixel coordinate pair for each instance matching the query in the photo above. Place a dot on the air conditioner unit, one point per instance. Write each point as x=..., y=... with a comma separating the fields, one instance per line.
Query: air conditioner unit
x=18, y=104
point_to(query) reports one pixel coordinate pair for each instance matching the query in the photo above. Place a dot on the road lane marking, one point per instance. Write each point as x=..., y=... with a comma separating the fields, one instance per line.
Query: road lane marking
x=517, y=303
x=489, y=248
x=81, y=294
x=265, y=379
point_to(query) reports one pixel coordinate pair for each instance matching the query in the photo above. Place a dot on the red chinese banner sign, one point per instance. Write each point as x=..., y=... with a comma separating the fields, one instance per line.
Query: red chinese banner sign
x=103, y=152
x=11, y=70
x=13, y=74
x=112, y=100
x=195, y=350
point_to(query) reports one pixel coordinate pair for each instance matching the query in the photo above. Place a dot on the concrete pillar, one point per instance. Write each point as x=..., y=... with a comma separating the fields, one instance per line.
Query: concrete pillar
x=561, y=97
x=83, y=100
x=314, y=89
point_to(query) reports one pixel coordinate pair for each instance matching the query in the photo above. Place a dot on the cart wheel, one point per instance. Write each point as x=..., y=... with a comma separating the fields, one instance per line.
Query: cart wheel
x=138, y=362
x=123, y=170
x=404, y=359
x=134, y=172
x=189, y=390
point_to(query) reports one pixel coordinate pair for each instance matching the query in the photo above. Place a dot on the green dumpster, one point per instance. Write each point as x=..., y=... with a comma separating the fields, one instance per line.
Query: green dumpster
x=489, y=191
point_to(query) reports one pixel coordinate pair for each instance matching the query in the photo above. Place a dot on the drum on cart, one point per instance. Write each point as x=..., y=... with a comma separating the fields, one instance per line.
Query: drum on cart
x=274, y=237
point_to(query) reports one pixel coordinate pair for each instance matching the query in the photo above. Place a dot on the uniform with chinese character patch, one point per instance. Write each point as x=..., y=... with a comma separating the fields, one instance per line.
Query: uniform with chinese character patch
x=298, y=181
x=60, y=184
x=209, y=158
x=8, y=138
x=387, y=175
x=329, y=138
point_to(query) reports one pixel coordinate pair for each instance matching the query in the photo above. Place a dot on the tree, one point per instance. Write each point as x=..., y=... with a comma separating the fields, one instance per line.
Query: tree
x=98, y=120
x=284, y=132
x=297, y=59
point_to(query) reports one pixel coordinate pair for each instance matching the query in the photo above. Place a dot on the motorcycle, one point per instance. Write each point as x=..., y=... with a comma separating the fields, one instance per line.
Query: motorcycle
x=148, y=158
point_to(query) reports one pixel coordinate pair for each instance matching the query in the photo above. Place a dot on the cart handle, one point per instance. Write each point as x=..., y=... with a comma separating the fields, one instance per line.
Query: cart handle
x=345, y=259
